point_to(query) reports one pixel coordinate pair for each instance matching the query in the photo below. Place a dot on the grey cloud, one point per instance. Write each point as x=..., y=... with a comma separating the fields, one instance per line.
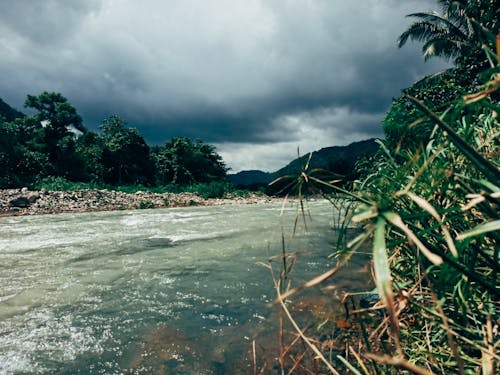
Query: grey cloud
x=47, y=21
x=224, y=71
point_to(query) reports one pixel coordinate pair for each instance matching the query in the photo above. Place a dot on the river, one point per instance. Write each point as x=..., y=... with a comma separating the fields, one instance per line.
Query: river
x=147, y=291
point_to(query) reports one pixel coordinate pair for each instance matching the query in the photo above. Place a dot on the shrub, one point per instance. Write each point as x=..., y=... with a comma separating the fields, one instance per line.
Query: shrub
x=145, y=205
x=215, y=189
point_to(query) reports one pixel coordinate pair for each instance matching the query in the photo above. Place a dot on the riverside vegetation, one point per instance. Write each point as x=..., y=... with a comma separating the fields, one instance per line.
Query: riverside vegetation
x=428, y=206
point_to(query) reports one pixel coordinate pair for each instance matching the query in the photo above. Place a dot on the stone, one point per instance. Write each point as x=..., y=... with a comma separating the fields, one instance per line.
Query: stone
x=21, y=202
x=33, y=197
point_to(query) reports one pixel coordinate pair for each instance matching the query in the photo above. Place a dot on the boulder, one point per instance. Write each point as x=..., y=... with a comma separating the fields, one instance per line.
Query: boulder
x=21, y=202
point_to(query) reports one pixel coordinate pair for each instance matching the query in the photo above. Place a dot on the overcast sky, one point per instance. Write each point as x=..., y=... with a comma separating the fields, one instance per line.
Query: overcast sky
x=257, y=78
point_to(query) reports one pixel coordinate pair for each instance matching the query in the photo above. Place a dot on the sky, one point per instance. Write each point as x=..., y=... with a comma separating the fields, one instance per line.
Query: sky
x=259, y=79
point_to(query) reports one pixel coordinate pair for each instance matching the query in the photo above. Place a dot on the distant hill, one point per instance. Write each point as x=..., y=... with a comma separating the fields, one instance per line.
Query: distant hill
x=336, y=159
x=247, y=178
x=9, y=113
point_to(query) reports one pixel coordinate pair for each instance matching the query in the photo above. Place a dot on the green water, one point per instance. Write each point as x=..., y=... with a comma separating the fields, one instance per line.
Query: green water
x=146, y=291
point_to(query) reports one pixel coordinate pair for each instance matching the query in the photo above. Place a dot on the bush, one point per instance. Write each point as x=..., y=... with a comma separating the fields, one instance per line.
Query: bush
x=52, y=183
x=211, y=190
x=145, y=205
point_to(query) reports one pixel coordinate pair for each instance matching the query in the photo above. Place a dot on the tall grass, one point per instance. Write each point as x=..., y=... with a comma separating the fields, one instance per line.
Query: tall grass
x=432, y=217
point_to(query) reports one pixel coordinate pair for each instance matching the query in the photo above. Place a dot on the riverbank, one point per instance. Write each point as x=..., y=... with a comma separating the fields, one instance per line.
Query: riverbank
x=26, y=202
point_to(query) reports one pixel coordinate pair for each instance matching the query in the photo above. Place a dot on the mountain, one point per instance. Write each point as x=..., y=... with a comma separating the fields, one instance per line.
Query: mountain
x=336, y=159
x=248, y=178
x=9, y=113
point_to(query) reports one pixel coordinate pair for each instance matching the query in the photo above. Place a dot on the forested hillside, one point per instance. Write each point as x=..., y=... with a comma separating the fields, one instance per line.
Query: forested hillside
x=54, y=143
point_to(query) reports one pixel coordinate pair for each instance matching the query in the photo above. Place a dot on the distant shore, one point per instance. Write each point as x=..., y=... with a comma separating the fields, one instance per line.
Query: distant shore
x=15, y=202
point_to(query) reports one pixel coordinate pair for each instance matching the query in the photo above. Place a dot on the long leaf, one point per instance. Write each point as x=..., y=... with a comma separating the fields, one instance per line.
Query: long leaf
x=381, y=261
x=480, y=229
x=396, y=220
x=431, y=210
x=383, y=279
x=487, y=168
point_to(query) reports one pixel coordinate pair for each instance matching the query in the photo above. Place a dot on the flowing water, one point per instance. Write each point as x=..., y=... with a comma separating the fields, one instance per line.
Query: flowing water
x=146, y=291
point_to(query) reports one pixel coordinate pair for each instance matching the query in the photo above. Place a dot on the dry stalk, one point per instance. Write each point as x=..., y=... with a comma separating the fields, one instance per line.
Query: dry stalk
x=360, y=361
x=399, y=363
x=306, y=340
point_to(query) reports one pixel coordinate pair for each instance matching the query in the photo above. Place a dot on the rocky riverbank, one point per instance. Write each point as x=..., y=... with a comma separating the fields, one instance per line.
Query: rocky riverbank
x=26, y=202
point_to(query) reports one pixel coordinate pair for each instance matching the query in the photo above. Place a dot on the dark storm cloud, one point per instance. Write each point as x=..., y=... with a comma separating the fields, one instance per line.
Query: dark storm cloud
x=230, y=72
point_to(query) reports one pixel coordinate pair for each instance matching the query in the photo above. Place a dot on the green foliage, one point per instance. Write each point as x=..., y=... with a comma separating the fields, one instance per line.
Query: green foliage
x=126, y=156
x=214, y=189
x=183, y=161
x=429, y=205
x=460, y=30
x=53, y=143
x=52, y=183
x=438, y=204
x=146, y=205
x=404, y=126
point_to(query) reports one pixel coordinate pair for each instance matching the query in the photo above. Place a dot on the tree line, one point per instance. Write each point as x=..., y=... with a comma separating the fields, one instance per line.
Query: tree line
x=54, y=143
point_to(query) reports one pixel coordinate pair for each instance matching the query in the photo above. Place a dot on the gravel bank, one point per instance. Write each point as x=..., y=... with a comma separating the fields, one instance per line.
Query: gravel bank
x=26, y=202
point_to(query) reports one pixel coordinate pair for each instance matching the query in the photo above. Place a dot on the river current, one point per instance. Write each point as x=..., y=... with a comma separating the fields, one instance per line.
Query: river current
x=147, y=291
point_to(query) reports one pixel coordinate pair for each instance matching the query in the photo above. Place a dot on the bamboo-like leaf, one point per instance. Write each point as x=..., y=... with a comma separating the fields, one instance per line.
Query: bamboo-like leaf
x=364, y=213
x=383, y=279
x=484, y=165
x=348, y=365
x=422, y=203
x=356, y=197
x=396, y=220
x=480, y=229
x=381, y=261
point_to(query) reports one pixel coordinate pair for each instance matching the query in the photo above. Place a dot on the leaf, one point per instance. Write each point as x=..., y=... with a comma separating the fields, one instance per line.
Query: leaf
x=422, y=203
x=481, y=163
x=364, y=212
x=348, y=365
x=381, y=261
x=480, y=229
x=383, y=279
x=396, y=220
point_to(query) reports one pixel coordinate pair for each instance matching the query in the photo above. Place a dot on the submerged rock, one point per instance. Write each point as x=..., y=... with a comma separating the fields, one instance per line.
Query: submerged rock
x=165, y=350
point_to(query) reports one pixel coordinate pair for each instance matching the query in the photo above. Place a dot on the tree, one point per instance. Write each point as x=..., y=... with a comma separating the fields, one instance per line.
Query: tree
x=183, y=161
x=126, y=156
x=56, y=122
x=58, y=115
x=21, y=157
x=458, y=31
x=90, y=146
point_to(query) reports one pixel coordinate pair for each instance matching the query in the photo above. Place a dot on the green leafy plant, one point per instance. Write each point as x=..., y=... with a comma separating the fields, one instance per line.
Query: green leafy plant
x=431, y=214
x=146, y=205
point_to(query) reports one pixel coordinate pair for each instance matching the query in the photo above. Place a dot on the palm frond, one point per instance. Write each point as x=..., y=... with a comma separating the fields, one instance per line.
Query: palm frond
x=442, y=47
x=454, y=27
x=421, y=31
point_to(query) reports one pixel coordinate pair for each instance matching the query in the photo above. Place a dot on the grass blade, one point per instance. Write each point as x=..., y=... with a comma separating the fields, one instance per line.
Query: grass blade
x=422, y=203
x=486, y=167
x=396, y=220
x=383, y=279
x=480, y=229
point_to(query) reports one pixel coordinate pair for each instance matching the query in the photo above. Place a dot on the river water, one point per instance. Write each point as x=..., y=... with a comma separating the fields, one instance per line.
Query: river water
x=147, y=291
